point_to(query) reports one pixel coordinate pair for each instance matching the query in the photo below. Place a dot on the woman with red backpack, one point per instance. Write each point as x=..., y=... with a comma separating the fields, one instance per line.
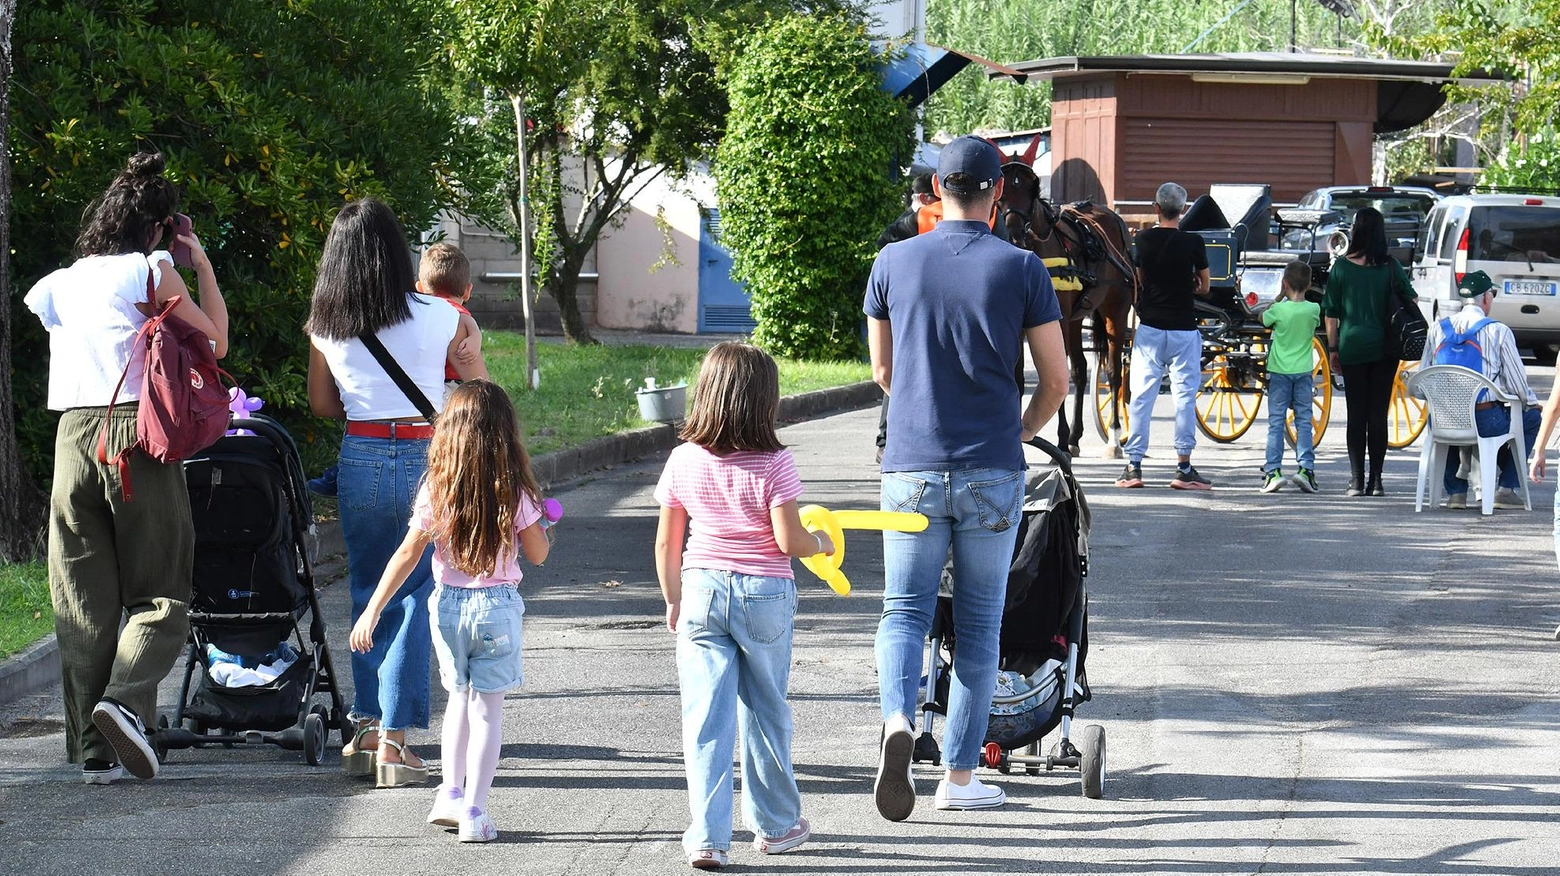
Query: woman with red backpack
x=111, y=559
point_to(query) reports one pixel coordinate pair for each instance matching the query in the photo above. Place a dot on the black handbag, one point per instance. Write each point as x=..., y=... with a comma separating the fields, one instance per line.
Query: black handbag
x=1406, y=327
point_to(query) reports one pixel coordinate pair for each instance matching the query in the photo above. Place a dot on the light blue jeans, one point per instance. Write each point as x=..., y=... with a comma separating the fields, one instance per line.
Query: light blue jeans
x=375, y=489
x=976, y=512
x=1290, y=392
x=1155, y=351
x=734, y=658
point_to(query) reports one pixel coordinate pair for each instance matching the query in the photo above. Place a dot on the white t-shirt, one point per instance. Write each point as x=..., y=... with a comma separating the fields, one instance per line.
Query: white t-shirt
x=90, y=311
x=419, y=345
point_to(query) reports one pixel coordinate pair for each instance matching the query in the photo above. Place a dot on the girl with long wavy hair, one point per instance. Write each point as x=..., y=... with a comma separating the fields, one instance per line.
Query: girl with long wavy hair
x=481, y=509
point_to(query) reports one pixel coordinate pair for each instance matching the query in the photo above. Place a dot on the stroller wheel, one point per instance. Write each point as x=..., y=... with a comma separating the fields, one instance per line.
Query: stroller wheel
x=313, y=738
x=157, y=744
x=1091, y=752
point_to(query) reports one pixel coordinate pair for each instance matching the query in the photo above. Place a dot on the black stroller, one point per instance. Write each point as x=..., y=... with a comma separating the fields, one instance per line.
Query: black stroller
x=1045, y=639
x=253, y=585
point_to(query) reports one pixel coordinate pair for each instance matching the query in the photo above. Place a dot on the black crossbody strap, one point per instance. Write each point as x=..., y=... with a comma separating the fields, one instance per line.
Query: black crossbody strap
x=397, y=374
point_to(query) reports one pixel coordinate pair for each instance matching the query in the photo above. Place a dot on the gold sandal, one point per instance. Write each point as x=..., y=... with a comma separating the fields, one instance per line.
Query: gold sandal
x=361, y=761
x=400, y=774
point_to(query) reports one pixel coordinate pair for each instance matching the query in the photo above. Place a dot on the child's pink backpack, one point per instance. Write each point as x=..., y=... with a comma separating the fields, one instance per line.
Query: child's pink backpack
x=183, y=407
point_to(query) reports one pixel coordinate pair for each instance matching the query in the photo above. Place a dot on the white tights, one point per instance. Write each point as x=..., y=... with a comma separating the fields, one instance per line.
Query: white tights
x=473, y=731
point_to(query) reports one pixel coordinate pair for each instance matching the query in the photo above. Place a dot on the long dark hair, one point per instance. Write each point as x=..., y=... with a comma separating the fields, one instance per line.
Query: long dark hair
x=365, y=278
x=120, y=220
x=1368, y=237
x=735, y=400
x=478, y=470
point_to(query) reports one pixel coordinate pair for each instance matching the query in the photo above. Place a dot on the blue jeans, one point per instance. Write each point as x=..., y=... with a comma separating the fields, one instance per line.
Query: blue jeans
x=1155, y=351
x=378, y=481
x=976, y=512
x=1496, y=421
x=1290, y=392
x=734, y=658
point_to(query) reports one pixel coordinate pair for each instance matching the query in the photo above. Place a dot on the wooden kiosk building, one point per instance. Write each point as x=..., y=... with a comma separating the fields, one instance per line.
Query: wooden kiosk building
x=1121, y=125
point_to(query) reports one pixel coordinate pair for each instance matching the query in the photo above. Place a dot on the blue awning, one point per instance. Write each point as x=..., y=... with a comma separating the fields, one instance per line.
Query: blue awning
x=924, y=68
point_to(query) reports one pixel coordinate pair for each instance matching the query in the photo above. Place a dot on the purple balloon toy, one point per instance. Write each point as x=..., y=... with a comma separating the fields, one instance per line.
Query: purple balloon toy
x=242, y=405
x=552, y=512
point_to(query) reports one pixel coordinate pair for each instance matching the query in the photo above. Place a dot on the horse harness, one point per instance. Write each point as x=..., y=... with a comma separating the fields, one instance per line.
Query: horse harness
x=1086, y=245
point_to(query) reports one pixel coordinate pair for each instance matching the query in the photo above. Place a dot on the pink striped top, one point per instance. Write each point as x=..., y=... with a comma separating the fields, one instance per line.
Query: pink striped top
x=728, y=499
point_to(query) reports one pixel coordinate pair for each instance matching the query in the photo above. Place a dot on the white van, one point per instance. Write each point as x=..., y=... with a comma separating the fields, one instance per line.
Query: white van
x=1513, y=238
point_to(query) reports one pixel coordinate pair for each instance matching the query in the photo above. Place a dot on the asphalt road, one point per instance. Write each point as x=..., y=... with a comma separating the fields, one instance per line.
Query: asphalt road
x=1289, y=684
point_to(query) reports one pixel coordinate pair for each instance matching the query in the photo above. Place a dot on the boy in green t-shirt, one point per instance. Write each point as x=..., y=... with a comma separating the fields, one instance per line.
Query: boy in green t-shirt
x=1294, y=321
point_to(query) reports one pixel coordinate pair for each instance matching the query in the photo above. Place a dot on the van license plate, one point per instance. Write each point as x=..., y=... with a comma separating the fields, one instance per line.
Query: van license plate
x=1529, y=287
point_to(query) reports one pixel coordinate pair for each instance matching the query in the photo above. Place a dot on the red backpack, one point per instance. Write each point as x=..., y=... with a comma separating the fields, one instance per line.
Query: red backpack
x=183, y=407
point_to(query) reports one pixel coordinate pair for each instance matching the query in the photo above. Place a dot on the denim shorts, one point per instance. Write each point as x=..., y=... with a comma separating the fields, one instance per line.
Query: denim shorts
x=476, y=637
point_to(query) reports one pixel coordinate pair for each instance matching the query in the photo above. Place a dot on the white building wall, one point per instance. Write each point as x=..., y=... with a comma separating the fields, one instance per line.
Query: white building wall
x=896, y=18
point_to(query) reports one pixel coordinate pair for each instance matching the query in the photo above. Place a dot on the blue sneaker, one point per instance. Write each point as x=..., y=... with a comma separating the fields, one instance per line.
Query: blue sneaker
x=325, y=484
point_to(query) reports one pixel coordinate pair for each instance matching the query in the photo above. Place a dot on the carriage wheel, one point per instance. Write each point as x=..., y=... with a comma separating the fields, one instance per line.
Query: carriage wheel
x=1104, y=398
x=1227, y=401
x=1321, y=396
x=1406, y=415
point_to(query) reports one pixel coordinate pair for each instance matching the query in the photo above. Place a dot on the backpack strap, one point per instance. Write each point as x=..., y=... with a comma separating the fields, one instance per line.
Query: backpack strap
x=121, y=459
x=399, y=375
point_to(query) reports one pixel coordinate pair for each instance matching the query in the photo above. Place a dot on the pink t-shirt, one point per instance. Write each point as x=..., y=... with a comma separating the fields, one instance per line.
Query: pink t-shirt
x=728, y=499
x=446, y=574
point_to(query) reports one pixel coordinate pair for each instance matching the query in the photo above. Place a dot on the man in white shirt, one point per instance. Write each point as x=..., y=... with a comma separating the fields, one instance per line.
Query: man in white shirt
x=1502, y=364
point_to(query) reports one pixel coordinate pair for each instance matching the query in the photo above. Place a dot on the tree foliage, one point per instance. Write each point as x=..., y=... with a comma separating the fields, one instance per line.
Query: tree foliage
x=617, y=93
x=1518, y=124
x=805, y=175
x=272, y=114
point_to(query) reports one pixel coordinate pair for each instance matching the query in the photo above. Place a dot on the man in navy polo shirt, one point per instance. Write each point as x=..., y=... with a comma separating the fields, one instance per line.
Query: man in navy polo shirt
x=948, y=315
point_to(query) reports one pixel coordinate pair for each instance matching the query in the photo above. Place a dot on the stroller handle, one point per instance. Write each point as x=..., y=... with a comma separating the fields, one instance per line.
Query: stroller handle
x=1059, y=456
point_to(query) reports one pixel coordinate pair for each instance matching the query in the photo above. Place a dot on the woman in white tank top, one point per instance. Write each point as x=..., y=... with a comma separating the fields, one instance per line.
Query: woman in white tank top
x=365, y=287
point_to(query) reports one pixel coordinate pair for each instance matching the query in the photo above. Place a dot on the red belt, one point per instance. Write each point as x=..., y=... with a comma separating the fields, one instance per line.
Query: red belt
x=364, y=429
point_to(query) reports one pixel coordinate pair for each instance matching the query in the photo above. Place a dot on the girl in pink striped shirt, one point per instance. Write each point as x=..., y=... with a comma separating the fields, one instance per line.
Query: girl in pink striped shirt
x=731, y=490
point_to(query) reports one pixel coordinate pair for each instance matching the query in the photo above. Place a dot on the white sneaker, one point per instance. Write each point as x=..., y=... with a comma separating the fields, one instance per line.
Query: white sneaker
x=125, y=732
x=476, y=826
x=447, y=810
x=975, y=795
x=1505, y=498
x=894, y=790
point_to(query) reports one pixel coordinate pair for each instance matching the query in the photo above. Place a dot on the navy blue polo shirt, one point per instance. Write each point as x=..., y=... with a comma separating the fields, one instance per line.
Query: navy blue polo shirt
x=958, y=300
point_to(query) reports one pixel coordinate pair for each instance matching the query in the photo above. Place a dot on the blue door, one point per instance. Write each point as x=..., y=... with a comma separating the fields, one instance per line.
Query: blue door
x=724, y=305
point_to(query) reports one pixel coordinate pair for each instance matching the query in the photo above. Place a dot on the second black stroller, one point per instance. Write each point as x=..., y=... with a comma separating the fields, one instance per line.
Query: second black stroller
x=254, y=584
x=1045, y=640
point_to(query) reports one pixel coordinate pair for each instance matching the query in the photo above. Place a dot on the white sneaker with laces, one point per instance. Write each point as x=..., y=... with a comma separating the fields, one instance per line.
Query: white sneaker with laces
x=894, y=790
x=975, y=795
x=476, y=826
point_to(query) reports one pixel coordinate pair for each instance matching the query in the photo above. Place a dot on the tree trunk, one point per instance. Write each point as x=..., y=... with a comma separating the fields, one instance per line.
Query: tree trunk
x=563, y=285
x=21, y=503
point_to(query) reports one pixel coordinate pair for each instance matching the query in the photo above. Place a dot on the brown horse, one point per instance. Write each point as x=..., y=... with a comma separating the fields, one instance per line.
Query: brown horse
x=1094, y=240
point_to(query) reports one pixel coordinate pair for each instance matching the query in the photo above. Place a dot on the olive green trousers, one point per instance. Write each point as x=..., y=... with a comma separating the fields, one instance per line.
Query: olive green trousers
x=119, y=574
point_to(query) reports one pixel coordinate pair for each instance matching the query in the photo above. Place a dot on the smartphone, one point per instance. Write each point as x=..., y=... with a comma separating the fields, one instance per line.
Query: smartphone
x=178, y=248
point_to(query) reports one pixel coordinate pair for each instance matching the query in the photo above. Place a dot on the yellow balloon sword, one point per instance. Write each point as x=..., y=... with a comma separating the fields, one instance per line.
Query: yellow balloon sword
x=834, y=523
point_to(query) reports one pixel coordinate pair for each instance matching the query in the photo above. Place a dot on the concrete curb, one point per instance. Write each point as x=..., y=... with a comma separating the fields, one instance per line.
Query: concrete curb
x=553, y=469
x=34, y=669
x=38, y=667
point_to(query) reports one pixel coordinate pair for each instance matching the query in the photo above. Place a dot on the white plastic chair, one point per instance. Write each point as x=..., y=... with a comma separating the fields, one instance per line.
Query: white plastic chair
x=1450, y=392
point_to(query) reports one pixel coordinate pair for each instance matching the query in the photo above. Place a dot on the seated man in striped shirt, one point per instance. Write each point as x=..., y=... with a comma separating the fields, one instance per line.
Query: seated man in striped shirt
x=1465, y=338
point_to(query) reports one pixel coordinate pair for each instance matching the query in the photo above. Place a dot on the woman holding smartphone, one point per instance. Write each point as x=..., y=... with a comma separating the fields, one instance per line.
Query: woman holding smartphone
x=114, y=561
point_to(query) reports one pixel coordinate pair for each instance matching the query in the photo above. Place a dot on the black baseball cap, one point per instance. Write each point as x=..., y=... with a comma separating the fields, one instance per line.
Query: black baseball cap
x=974, y=157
